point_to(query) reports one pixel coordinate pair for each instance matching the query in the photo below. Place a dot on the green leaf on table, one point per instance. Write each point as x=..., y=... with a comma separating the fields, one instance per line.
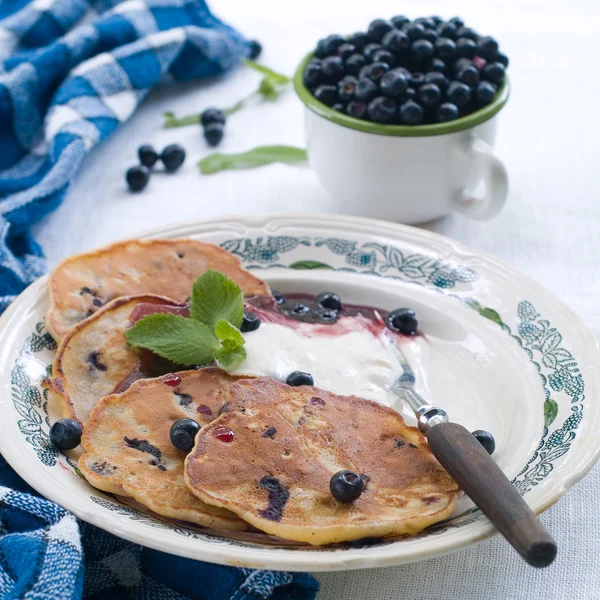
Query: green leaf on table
x=277, y=78
x=224, y=330
x=214, y=298
x=550, y=411
x=180, y=340
x=257, y=157
x=230, y=352
x=172, y=121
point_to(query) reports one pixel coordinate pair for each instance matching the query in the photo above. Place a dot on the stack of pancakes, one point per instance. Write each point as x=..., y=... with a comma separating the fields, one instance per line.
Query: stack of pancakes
x=265, y=452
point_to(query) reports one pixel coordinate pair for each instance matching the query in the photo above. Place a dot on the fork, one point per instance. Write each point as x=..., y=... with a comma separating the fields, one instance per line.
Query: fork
x=477, y=474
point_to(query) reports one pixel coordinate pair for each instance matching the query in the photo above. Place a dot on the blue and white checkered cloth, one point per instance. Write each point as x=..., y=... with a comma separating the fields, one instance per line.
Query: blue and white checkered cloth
x=64, y=88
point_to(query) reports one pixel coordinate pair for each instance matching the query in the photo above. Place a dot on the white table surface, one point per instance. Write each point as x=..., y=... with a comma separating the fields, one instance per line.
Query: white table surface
x=550, y=228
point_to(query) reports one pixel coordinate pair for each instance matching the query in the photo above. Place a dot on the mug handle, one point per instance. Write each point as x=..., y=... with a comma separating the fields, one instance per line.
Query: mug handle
x=495, y=179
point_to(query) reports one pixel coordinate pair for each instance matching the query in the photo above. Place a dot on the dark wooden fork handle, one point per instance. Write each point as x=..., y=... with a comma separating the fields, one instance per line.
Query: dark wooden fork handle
x=484, y=482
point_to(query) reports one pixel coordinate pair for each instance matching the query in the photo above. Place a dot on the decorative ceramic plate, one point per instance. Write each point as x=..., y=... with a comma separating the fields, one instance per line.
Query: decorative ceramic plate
x=499, y=353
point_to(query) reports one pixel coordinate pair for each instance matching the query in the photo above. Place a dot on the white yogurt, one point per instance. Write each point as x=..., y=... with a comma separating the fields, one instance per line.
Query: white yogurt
x=356, y=362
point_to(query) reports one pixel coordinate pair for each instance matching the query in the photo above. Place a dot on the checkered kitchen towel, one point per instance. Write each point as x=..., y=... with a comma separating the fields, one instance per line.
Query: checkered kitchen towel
x=64, y=88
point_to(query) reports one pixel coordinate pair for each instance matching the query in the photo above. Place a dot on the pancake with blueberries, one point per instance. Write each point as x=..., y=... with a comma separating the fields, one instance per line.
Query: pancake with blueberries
x=94, y=359
x=128, y=450
x=271, y=455
x=81, y=285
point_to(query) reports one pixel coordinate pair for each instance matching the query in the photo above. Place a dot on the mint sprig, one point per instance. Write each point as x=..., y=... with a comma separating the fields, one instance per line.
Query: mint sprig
x=271, y=86
x=211, y=333
x=257, y=157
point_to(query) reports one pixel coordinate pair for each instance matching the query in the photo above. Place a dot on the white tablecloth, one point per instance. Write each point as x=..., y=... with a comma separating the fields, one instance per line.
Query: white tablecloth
x=550, y=228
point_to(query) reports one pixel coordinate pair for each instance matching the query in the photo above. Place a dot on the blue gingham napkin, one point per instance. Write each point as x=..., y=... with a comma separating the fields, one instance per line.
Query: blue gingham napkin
x=64, y=88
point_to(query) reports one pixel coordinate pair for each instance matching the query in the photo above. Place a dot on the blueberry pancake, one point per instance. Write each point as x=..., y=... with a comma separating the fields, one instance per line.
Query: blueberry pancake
x=82, y=284
x=128, y=449
x=270, y=456
x=94, y=358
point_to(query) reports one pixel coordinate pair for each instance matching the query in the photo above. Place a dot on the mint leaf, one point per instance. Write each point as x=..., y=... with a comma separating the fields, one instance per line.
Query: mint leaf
x=180, y=340
x=214, y=298
x=257, y=157
x=277, y=78
x=229, y=353
x=226, y=331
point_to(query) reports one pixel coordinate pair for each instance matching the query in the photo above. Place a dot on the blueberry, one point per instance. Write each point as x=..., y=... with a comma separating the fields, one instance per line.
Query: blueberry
x=447, y=112
x=502, y=58
x=458, y=93
x=494, y=72
x=173, y=157
x=431, y=35
x=278, y=296
x=438, y=78
x=301, y=309
x=466, y=47
x=445, y=48
x=414, y=31
x=212, y=115
x=437, y=21
x=421, y=50
x=355, y=63
x=461, y=63
x=370, y=49
x=487, y=47
x=326, y=94
x=255, y=49
x=213, y=133
x=346, y=486
x=346, y=51
x=333, y=42
x=410, y=113
x=300, y=378
x=321, y=49
x=346, y=88
x=429, y=95
x=447, y=30
x=426, y=22
x=402, y=320
x=332, y=66
x=366, y=89
x=409, y=94
x=65, y=434
x=417, y=79
x=468, y=75
x=359, y=40
x=486, y=439
x=339, y=107
x=137, y=178
x=484, y=93
x=437, y=64
x=312, y=75
x=396, y=41
x=382, y=109
x=377, y=29
x=357, y=108
x=183, y=433
x=148, y=156
x=385, y=57
x=329, y=300
x=399, y=21
x=467, y=32
x=250, y=322
x=394, y=83
x=457, y=22
x=374, y=71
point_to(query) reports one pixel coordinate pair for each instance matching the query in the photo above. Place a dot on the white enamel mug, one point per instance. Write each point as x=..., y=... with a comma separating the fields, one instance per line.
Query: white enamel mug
x=408, y=174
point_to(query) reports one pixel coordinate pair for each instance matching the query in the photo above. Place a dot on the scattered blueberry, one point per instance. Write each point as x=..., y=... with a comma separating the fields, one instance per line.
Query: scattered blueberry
x=395, y=41
x=410, y=113
x=466, y=48
x=137, y=178
x=183, y=433
x=148, y=156
x=255, y=49
x=447, y=112
x=421, y=50
x=370, y=49
x=377, y=29
x=300, y=378
x=355, y=63
x=484, y=93
x=173, y=157
x=468, y=75
x=212, y=115
x=213, y=133
x=346, y=88
x=326, y=94
x=486, y=439
x=459, y=93
x=357, y=109
x=250, y=322
x=429, y=95
x=494, y=72
x=65, y=434
x=332, y=66
x=345, y=51
x=346, y=486
x=394, y=83
x=329, y=300
x=301, y=309
x=385, y=57
x=403, y=320
x=312, y=74
x=366, y=89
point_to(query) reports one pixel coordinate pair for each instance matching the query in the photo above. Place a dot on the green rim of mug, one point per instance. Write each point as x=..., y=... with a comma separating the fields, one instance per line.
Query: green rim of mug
x=466, y=122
